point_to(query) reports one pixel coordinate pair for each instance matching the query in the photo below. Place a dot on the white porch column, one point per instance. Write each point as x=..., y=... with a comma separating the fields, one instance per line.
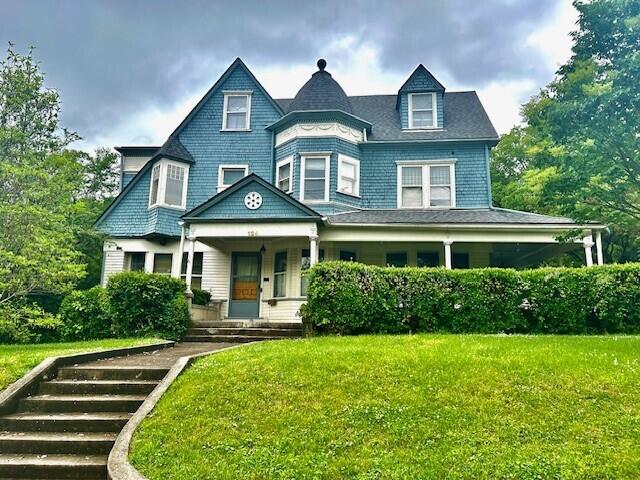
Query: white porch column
x=192, y=244
x=588, y=243
x=447, y=254
x=313, y=249
x=599, y=253
x=176, y=268
x=148, y=262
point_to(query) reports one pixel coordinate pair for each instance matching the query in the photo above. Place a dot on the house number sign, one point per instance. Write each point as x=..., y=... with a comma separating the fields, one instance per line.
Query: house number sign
x=253, y=200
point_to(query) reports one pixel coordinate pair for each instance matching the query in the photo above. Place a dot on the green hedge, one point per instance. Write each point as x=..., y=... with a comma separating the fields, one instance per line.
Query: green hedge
x=352, y=298
x=86, y=315
x=28, y=323
x=201, y=297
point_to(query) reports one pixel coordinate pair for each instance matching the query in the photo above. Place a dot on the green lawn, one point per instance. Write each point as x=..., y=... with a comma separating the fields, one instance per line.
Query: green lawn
x=424, y=406
x=16, y=360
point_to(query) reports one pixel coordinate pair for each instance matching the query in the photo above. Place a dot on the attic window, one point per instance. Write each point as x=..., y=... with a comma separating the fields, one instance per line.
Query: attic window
x=237, y=111
x=230, y=174
x=422, y=108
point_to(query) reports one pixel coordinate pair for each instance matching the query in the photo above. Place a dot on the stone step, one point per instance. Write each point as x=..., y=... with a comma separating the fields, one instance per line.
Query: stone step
x=64, y=422
x=227, y=338
x=56, y=443
x=81, y=403
x=258, y=332
x=80, y=372
x=246, y=324
x=126, y=387
x=52, y=466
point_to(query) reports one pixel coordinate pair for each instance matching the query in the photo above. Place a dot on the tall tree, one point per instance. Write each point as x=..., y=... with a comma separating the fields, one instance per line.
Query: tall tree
x=579, y=151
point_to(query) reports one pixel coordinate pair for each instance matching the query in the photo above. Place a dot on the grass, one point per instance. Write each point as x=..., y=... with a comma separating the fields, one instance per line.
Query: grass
x=423, y=406
x=16, y=360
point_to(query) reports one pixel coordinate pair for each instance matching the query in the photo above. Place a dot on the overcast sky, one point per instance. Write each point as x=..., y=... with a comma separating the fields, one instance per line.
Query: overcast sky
x=129, y=70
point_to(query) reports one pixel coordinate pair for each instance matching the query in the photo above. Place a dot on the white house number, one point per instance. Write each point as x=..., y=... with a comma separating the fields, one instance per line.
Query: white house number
x=253, y=200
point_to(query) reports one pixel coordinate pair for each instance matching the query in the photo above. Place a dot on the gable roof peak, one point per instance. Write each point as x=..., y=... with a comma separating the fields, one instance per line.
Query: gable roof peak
x=421, y=79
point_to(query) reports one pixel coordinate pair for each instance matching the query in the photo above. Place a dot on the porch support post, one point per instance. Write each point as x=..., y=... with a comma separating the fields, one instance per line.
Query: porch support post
x=192, y=244
x=447, y=254
x=588, y=243
x=599, y=253
x=313, y=249
x=177, y=262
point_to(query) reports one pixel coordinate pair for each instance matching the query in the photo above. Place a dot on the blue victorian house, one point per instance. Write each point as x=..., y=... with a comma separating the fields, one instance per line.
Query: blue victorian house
x=249, y=191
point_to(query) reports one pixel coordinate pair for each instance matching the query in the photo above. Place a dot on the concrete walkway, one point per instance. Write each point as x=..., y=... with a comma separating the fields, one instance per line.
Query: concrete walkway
x=67, y=428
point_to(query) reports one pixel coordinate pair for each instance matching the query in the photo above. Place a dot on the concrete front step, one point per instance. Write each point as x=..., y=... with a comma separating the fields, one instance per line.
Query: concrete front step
x=257, y=332
x=80, y=372
x=227, y=338
x=81, y=403
x=96, y=387
x=56, y=443
x=52, y=466
x=64, y=422
x=246, y=324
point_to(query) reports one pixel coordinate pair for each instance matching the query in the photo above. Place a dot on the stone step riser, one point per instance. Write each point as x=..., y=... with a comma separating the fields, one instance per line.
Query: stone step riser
x=77, y=406
x=225, y=339
x=263, y=332
x=98, y=373
x=23, y=471
x=232, y=324
x=51, y=447
x=75, y=388
x=58, y=425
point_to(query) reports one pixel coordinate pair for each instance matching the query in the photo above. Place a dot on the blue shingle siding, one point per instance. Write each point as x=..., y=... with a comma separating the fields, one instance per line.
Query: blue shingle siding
x=126, y=178
x=378, y=171
x=233, y=207
x=210, y=147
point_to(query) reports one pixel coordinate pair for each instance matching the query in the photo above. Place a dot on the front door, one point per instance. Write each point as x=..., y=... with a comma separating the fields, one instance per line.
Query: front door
x=245, y=285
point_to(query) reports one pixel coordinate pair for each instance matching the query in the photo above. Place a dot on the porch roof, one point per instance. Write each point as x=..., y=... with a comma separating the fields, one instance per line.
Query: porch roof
x=455, y=216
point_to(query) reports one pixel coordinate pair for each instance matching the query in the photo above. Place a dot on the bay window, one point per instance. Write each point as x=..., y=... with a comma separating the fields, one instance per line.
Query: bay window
x=348, y=175
x=426, y=184
x=169, y=184
x=284, y=175
x=236, y=111
x=422, y=110
x=314, y=182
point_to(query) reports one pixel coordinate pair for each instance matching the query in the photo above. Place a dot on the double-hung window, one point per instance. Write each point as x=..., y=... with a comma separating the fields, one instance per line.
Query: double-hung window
x=162, y=263
x=348, y=175
x=280, y=275
x=284, y=171
x=135, y=261
x=426, y=185
x=169, y=184
x=422, y=108
x=196, y=269
x=237, y=111
x=230, y=174
x=314, y=184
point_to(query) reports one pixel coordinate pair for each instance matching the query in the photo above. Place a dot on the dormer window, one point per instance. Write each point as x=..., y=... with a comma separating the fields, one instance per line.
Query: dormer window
x=422, y=110
x=237, y=111
x=169, y=184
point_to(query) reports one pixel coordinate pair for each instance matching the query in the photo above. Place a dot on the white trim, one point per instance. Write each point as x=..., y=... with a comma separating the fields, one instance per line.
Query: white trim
x=426, y=181
x=238, y=93
x=318, y=130
x=327, y=175
x=163, y=168
x=281, y=163
x=434, y=111
x=221, y=186
x=342, y=159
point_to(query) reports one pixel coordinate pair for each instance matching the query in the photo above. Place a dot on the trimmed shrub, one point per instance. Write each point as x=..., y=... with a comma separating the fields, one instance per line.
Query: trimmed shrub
x=85, y=315
x=201, y=297
x=28, y=324
x=147, y=304
x=352, y=298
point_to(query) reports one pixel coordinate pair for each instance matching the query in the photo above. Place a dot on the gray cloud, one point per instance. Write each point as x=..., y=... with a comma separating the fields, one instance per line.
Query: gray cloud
x=113, y=59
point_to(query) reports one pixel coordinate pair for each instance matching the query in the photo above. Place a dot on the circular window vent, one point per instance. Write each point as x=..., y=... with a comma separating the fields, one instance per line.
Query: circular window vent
x=253, y=200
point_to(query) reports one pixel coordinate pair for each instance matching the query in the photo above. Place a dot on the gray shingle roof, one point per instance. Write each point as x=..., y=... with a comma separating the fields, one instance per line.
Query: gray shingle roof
x=173, y=148
x=464, y=118
x=453, y=216
x=321, y=92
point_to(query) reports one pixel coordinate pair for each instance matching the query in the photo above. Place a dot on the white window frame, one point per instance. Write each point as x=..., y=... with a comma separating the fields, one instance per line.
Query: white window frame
x=342, y=159
x=239, y=93
x=281, y=163
x=434, y=110
x=426, y=181
x=284, y=273
x=229, y=166
x=327, y=175
x=162, y=184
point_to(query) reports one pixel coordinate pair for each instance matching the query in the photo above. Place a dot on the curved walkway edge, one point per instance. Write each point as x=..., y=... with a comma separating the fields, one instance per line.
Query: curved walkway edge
x=118, y=466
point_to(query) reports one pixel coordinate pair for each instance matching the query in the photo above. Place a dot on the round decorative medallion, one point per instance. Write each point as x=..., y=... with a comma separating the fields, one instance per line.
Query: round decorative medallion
x=253, y=200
